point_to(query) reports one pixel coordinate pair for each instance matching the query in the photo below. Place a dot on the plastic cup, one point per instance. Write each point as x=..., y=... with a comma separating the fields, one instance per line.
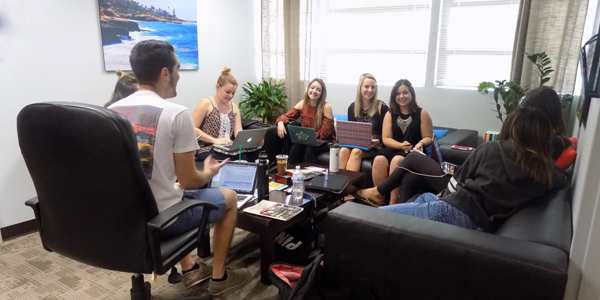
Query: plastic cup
x=281, y=163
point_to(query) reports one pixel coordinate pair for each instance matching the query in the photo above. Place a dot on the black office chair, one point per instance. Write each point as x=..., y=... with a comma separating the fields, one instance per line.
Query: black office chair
x=94, y=204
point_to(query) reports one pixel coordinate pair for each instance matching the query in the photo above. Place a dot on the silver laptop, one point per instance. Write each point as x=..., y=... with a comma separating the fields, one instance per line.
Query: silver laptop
x=240, y=177
x=437, y=153
x=354, y=133
x=248, y=139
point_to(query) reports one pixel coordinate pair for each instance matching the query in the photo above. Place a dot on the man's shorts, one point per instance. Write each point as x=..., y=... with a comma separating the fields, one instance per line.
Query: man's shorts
x=190, y=219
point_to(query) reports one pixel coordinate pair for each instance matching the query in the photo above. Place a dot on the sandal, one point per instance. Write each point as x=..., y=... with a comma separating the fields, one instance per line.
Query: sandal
x=358, y=195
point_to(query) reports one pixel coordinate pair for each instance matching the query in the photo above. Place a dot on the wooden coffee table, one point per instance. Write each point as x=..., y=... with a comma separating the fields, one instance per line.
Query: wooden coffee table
x=268, y=228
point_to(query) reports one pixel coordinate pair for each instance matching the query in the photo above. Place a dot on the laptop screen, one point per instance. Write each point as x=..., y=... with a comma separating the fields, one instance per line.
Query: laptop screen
x=239, y=177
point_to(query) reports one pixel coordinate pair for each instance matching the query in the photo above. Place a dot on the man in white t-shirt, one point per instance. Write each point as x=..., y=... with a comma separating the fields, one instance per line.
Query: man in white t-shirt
x=167, y=144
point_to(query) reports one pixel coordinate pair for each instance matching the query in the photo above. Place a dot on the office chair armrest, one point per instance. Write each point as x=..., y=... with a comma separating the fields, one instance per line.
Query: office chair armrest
x=34, y=203
x=166, y=216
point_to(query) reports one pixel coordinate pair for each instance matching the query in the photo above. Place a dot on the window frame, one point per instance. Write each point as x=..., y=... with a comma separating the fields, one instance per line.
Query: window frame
x=432, y=55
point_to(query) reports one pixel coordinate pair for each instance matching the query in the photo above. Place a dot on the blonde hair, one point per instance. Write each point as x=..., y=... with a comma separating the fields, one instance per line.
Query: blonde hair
x=320, y=102
x=373, y=101
x=226, y=77
x=127, y=84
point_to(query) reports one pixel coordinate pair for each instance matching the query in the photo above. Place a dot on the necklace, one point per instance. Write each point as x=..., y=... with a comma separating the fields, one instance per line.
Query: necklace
x=403, y=124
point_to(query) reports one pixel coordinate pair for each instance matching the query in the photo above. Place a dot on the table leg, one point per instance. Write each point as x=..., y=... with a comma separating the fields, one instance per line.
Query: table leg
x=267, y=255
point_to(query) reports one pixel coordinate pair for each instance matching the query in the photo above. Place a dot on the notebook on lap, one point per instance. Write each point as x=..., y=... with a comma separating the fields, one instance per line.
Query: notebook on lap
x=240, y=177
x=304, y=135
x=358, y=134
x=437, y=155
x=248, y=139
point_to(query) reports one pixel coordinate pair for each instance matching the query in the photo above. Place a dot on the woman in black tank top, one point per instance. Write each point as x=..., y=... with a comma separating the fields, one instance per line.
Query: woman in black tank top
x=406, y=126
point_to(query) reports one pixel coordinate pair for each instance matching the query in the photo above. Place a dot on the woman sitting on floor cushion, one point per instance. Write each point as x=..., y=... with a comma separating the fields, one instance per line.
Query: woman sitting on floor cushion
x=314, y=112
x=365, y=108
x=498, y=178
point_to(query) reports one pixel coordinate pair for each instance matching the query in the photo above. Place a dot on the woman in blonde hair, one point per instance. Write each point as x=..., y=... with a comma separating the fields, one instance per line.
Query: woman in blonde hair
x=126, y=85
x=365, y=108
x=313, y=112
x=217, y=120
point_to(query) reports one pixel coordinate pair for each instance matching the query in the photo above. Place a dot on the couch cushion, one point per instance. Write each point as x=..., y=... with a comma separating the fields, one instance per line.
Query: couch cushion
x=440, y=133
x=340, y=117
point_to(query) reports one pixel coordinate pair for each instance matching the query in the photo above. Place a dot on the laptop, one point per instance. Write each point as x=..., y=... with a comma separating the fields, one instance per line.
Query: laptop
x=248, y=139
x=304, y=135
x=354, y=133
x=240, y=177
x=437, y=153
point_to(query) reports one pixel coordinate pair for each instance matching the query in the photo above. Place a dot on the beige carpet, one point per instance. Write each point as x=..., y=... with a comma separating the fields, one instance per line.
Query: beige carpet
x=27, y=271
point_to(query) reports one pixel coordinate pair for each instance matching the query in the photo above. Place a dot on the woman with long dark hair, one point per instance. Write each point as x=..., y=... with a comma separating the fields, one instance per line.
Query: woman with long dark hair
x=406, y=126
x=497, y=178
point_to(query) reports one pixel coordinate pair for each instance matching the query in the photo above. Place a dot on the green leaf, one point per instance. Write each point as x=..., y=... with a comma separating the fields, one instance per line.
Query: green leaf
x=484, y=86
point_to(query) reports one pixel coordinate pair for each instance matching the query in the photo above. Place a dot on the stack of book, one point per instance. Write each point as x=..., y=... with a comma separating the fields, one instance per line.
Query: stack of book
x=491, y=135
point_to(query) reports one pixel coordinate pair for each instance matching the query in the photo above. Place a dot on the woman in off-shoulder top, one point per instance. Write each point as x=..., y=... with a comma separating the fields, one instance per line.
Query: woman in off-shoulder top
x=313, y=112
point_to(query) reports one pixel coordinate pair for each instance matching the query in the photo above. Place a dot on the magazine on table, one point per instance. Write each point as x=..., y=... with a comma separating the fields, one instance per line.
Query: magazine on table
x=278, y=211
x=308, y=172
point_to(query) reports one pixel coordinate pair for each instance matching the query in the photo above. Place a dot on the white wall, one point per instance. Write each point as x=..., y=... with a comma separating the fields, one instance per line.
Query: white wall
x=51, y=51
x=456, y=108
x=584, y=267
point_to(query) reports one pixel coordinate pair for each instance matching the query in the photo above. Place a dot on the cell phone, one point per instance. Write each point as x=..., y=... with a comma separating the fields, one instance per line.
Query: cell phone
x=459, y=147
x=418, y=151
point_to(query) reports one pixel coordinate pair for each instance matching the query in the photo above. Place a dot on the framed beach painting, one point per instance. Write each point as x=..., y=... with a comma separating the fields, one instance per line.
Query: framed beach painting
x=124, y=23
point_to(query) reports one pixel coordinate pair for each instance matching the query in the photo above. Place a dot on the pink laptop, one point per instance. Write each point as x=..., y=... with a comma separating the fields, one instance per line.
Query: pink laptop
x=354, y=133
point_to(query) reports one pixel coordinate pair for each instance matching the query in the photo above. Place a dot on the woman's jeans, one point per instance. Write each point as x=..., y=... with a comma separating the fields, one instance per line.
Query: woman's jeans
x=429, y=206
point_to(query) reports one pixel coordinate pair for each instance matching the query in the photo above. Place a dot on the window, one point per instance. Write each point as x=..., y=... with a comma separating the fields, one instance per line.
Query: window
x=388, y=38
x=449, y=43
x=476, y=41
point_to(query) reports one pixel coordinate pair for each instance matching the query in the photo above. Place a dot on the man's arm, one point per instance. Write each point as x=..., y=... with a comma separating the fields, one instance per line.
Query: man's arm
x=187, y=174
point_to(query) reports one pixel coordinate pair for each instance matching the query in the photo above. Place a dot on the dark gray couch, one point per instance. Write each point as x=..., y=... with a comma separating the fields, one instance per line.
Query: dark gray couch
x=376, y=254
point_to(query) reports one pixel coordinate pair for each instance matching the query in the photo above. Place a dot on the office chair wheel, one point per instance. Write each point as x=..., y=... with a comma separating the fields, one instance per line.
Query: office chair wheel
x=140, y=290
x=174, y=276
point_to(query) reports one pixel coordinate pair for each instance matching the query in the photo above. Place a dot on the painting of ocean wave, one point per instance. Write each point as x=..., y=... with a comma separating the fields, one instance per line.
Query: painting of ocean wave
x=124, y=23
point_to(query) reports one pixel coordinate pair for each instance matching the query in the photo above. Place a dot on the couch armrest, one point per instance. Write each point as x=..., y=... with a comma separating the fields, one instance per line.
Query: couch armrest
x=546, y=221
x=375, y=252
x=464, y=137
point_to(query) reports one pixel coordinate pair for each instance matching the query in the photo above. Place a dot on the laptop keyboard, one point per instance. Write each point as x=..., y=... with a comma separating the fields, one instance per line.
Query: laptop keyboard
x=242, y=197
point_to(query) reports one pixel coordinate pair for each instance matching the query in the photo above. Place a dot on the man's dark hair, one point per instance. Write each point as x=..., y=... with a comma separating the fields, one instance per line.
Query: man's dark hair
x=149, y=57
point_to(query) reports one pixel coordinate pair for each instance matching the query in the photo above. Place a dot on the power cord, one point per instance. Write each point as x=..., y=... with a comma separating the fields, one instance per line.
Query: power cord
x=420, y=174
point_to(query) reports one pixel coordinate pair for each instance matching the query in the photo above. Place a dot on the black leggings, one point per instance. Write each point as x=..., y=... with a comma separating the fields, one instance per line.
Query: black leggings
x=433, y=179
x=302, y=153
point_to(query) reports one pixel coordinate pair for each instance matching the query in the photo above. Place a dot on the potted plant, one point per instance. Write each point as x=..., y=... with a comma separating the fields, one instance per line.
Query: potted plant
x=511, y=93
x=266, y=100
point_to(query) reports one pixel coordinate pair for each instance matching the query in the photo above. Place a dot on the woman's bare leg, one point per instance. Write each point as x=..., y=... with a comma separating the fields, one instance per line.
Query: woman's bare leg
x=380, y=169
x=393, y=165
x=355, y=160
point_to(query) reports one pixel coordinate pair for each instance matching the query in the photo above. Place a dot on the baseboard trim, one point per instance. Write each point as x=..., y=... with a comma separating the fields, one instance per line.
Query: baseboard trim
x=17, y=230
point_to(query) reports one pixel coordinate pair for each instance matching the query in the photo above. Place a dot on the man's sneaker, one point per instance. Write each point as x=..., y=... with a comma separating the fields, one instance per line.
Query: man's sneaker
x=235, y=278
x=192, y=278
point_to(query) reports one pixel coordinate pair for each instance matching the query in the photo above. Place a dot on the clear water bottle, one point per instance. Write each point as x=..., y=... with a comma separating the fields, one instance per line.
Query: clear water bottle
x=298, y=186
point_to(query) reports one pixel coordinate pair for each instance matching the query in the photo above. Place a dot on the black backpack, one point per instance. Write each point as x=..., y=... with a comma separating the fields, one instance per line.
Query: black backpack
x=297, y=282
